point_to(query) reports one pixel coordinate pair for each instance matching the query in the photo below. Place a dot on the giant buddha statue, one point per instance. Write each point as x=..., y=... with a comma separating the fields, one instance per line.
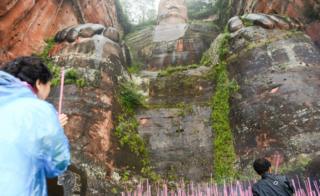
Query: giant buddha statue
x=174, y=40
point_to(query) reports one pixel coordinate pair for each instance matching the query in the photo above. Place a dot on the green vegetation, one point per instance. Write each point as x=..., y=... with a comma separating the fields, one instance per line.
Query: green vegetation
x=135, y=68
x=171, y=175
x=55, y=69
x=173, y=69
x=185, y=109
x=127, y=126
x=129, y=98
x=125, y=175
x=114, y=190
x=298, y=165
x=126, y=131
x=205, y=59
x=224, y=152
x=175, y=105
x=71, y=75
x=246, y=22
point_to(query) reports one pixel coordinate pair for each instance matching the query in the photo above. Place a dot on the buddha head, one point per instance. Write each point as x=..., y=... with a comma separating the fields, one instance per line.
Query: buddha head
x=172, y=12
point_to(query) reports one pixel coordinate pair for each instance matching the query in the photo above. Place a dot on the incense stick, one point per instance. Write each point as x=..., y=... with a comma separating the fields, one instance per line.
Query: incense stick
x=61, y=90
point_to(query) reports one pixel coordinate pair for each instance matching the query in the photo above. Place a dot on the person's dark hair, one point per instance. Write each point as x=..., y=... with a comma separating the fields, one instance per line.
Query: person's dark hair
x=261, y=165
x=28, y=69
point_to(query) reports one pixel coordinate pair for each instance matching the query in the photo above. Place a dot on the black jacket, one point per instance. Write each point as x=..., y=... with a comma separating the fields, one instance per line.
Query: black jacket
x=272, y=185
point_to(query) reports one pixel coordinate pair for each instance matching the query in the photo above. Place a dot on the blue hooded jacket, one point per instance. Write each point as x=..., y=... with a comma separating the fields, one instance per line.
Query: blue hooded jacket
x=33, y=146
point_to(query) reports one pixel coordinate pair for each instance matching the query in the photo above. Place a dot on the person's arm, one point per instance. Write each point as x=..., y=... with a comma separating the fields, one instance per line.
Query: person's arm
x=54, y=151
x=56, y=154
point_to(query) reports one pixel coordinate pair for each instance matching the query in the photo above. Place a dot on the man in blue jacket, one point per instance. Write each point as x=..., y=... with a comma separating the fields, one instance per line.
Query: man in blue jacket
x=33, y=146
x=270, y=185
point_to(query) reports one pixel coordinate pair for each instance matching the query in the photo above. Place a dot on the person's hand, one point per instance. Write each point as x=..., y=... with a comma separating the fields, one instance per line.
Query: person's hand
x=63, y=118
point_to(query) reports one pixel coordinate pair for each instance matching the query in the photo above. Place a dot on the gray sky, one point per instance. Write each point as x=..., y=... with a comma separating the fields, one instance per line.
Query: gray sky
x=157, y=4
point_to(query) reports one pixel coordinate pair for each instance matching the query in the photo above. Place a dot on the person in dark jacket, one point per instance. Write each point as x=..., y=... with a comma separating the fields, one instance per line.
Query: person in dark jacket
x=270, y=184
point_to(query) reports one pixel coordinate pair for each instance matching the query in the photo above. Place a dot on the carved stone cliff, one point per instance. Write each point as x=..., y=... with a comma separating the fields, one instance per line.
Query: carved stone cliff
x=25, y=24
x=306, y=11
x=276, y=111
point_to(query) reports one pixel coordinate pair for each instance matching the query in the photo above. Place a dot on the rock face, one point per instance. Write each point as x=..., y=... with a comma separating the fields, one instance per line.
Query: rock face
x=25, y=24
x=6, y=5
x=177, y=126
x=266, y=21
x=295, y=9
x=100, y=62
x=306, y=11
x=277, y=111
x=92, y=40
x=180, y=145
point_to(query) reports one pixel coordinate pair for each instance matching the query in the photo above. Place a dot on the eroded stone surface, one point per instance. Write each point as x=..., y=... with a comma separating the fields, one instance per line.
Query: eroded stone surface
x=24, y=25
x=277, y=109
x=235, y=23
x=180, y=141
x=260, y=19
x=112, y=33
x=87, y=53
x=87, y=30
x=176, y=125
x=263, y=20
x=305, y=11
x=91, y=109
x=313, y=31
x=192, y=86
x=6, y=5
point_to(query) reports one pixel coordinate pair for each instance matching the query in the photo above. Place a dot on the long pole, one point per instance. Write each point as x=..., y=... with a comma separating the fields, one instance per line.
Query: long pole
x=61, y=90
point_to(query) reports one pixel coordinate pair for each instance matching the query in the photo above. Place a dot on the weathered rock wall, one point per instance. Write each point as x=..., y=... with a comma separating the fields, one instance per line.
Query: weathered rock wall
x=176, y=125
x=25, y=24
x=276, y=110
x=306, y=11
x=94, y=54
